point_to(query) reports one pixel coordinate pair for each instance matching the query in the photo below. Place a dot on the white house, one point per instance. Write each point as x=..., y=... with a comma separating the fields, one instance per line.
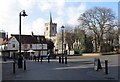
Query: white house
x=34, y=43
x=2, y=45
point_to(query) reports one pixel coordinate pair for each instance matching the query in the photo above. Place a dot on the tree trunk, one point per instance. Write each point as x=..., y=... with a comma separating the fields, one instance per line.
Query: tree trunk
x=101, y=44
x=95, y=44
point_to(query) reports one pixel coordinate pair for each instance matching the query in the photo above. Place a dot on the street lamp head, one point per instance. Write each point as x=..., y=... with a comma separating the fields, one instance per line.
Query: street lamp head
x=62, y=27
x=24, y=13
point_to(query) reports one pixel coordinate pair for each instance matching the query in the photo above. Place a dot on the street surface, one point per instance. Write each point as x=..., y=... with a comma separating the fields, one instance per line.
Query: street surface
x=78, y=68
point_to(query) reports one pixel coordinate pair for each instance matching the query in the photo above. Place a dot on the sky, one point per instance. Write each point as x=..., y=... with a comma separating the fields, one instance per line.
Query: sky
x=64, y=12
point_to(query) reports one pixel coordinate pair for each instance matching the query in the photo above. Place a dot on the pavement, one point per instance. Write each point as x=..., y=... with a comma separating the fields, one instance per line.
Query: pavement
x=78, y=68
x=0, y=70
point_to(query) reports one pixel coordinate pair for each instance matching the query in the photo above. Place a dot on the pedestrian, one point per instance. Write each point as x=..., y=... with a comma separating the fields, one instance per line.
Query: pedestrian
x=34, y=57
x=38, y=57
x=41, y=58
x=48, y=56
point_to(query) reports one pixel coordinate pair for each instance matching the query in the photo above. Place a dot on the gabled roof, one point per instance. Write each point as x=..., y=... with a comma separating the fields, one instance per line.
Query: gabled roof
x=30, y=39
x=3, y=41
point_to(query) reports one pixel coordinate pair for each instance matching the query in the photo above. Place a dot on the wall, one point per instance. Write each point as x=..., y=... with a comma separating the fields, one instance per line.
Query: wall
x=35, y=47
x=39, y=46
x=11, y=42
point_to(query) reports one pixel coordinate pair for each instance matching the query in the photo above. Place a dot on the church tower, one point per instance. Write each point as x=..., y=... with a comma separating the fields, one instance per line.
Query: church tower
x=50, y=29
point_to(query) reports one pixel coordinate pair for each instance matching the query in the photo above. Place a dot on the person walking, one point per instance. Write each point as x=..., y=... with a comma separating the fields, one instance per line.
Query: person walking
x=34, y=58
x=48, y=57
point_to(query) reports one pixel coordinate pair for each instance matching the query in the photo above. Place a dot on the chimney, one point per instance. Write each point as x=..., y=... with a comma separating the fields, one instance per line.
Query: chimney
x=7, y=36
x=32, y=33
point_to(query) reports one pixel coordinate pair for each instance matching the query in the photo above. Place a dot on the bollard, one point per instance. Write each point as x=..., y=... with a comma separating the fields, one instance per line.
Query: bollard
x=20, y=62
x=48, y=59
x=106, y=66
x=13, y=67
x=62, y=59
x=35, y=58
x=38, y=58
x=65, y=59
x=99, y=65
x=41, y=59
x=65, y=52
x=59, y=59
x=24, y=65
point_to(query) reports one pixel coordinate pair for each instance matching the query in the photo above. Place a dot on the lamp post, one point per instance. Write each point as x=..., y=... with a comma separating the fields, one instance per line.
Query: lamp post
x=65, y=53
x=42, y=50
x=20, y=63
x=62, y=43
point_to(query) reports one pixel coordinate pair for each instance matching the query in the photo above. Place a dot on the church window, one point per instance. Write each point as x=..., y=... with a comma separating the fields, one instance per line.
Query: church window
x=46, y=28
x=53, y=28
x=13, y=45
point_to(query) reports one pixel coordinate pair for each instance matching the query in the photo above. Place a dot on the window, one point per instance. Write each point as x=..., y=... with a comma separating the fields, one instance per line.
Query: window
x=25, y=46
x=53, y=29
x=13, y=45
x=46, y=28
x=30, y=45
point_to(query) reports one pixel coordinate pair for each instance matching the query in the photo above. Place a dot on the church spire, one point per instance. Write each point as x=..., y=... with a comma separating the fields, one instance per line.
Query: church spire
x=50, y=18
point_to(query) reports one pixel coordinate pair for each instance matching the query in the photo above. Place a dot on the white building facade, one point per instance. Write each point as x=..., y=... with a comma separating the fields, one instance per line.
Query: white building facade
x=29, y=43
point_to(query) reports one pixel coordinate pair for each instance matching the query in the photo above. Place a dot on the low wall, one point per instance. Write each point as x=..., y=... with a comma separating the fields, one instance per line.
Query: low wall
x=71, y=52
x=91, y=54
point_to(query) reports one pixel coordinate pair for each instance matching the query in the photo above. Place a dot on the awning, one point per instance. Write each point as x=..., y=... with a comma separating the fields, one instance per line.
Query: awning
x=21, y=51
x=30, y=51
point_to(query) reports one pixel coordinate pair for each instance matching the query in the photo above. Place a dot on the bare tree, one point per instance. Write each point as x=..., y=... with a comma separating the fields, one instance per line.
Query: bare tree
x=100, y=20
x=68, y=36
x=73, y=33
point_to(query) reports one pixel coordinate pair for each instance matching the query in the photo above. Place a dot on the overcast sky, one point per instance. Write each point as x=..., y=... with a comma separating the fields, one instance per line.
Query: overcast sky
x=63, y=12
